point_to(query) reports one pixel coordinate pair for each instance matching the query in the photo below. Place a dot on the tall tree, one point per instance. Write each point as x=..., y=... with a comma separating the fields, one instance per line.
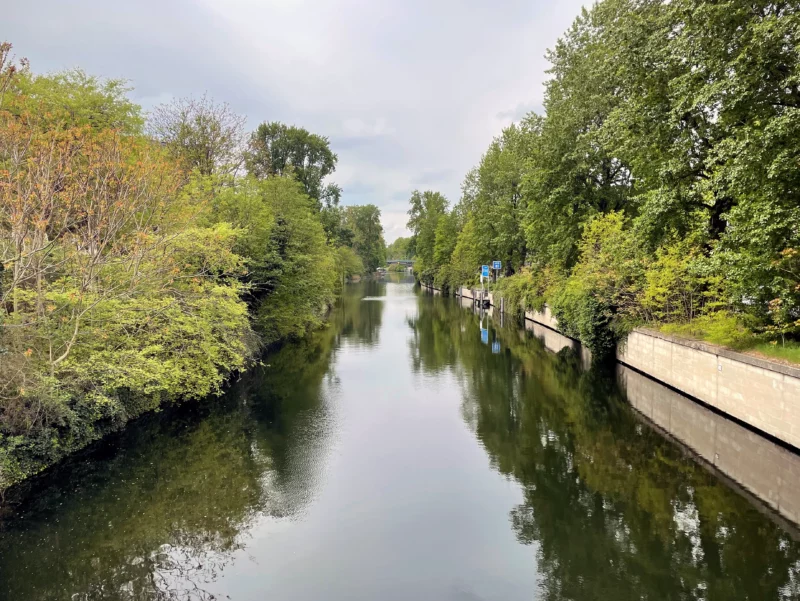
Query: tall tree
x=278, y=149
x=495, y=196
x=423, y=219
x=400, y=249
x=201, y=133
x=365, y=223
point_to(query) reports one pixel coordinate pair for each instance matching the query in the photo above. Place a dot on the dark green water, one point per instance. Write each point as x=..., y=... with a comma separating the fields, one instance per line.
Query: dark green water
x=395, y=456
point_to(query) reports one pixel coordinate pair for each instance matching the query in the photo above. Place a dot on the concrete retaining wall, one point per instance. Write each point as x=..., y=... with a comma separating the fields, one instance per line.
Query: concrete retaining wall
x=543, y=317
x=759, y=393
x=763, y=394
x=763, y=468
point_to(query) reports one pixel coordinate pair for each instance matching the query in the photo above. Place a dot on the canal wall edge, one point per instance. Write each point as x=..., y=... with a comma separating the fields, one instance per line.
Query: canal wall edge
x=762, y=394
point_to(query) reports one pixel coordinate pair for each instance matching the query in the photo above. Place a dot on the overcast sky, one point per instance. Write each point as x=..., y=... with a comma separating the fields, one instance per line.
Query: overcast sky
x=410, y=92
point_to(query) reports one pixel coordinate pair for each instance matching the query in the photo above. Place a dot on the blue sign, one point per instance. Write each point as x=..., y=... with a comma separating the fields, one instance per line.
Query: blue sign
x=485, y=271
x=497, y=265
x=496, y=347
x=485, y=336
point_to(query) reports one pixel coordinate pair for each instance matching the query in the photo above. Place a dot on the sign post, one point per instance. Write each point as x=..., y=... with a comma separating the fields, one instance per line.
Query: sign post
x=484, y=275
x=496, y=267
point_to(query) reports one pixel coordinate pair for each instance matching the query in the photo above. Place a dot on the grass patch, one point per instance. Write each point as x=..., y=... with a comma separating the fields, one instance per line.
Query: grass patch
x=725, y=329
x=789, y=352
x=720, y=328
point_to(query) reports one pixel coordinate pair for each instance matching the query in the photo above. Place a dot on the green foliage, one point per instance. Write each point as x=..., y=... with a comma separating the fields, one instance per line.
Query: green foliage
x=80, y=99
x=299, y=276
x=661, y=182
x=722, y=327
x=788, y=351
x=677, y=284
x=525, y=290
x=610, y=263
x=423, y=220
x=463, y=268
x=278, y=149
x=497, y=203
x=364, y=221
x=123, y=286
x=400, y=249
x=584, y=316
x=348, y=262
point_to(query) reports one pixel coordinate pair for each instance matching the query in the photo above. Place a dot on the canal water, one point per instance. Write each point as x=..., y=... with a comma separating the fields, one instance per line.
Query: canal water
x=411, y=450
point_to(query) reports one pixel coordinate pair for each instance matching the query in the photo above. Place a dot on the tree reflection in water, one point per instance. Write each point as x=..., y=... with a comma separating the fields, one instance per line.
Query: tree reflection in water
x=160, y=511
x=613, y=510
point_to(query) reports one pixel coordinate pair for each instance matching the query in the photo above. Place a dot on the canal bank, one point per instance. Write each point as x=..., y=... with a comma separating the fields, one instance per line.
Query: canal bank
x=765, y=469
x=761, y=394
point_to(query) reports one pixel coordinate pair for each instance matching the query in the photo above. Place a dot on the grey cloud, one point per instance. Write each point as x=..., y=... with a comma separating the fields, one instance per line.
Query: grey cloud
x=433, y=177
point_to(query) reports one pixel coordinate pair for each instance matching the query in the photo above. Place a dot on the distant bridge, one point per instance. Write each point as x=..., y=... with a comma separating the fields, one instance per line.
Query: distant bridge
x=406, y=262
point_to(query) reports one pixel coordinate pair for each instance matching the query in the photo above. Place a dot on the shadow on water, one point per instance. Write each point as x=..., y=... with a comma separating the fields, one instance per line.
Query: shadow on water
x=615, y=510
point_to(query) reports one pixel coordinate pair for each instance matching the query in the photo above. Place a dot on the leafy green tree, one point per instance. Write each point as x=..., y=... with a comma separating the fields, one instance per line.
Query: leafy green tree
x=426, y=210
x=365, y=223
x=400, y=249
x=464, y=264
x=497, y=204
x=73, y=98
x=571, y=175
x=443, y=245
x=278, y=149
x=299, y=275
x=349, y=262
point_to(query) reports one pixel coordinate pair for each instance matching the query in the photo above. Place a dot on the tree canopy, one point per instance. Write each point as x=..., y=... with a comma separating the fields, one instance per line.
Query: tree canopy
x=137, y=267
x=278, y=149
x=201, y=133
x=665, y=161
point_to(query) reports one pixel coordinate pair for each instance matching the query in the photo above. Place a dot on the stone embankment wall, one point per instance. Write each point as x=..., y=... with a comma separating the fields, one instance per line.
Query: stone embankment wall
x=657, y=371
x=763, y=394
x=763, y=468
x=760, y=393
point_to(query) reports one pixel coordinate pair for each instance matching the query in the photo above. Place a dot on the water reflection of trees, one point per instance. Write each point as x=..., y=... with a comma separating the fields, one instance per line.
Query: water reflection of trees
x=159, y=513
x=614, y=510
x=359, y=320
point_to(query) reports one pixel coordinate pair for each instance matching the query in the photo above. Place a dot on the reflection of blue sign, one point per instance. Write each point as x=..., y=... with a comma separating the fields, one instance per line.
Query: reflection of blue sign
x=485, y=271
x=497, y=265
x=496, y=347
x=485, y=336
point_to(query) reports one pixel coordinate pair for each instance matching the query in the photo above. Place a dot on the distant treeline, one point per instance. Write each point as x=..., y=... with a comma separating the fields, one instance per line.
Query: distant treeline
x=400, y=250
x=661, y=184
x=145, y=257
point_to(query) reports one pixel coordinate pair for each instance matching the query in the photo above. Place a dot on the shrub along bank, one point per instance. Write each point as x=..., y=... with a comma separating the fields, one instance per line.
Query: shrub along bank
x=140, y=264
x=659, y=186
